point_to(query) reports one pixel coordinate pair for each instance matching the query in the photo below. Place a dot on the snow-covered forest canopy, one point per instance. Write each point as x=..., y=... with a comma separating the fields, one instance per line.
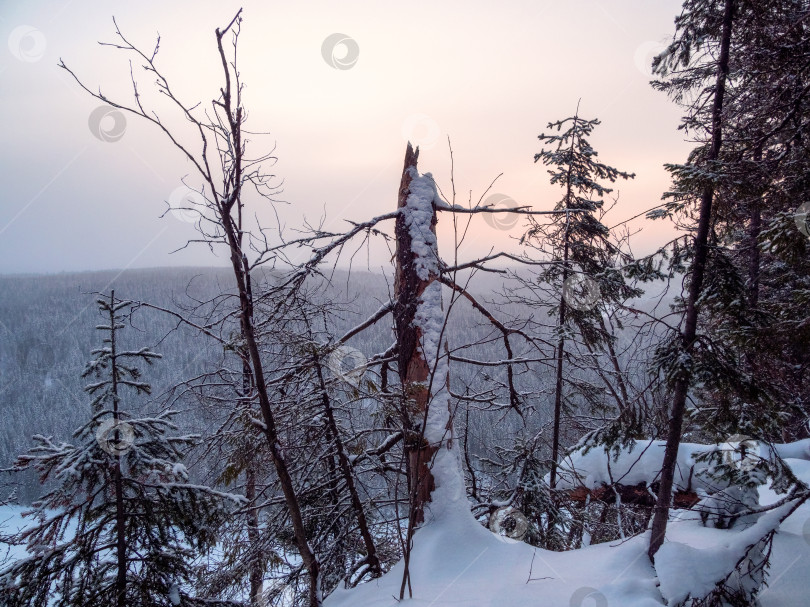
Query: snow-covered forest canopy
x=559, y=422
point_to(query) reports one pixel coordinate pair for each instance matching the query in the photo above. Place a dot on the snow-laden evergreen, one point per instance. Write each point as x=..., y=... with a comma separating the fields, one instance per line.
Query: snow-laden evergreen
x=121, y=524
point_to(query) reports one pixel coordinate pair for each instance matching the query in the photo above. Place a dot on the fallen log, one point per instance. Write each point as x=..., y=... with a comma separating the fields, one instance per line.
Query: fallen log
x=630, y=495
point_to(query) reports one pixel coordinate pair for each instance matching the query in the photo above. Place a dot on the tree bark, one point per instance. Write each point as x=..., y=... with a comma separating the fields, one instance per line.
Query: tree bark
x=631, y=495
x=754, y=229
x=256, y=572
x=558, y=385
x=659, y=524
x=414, y=370
x=420, y=382
x=560, y=350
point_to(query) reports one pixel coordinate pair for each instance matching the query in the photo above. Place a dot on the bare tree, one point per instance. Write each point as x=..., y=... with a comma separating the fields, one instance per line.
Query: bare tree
x=220, y=159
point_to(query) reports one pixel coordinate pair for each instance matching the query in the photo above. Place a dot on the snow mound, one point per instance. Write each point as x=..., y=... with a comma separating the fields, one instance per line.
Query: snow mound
x=687, y=571
x=458, y=563
x=641, y=463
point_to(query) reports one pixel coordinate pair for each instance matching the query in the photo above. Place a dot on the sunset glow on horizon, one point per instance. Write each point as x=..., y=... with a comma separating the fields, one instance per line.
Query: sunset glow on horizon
x=487, y=77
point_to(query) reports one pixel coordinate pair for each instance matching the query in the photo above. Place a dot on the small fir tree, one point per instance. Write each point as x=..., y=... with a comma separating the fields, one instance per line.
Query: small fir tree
x=122, y=525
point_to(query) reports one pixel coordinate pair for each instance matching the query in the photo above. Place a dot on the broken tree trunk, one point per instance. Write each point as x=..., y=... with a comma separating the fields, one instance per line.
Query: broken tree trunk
x=631, y=495
x=414, y=369
x=434, y=475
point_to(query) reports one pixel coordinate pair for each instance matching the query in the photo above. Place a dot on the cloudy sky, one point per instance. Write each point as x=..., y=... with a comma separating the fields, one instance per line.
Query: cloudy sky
x=490, y=75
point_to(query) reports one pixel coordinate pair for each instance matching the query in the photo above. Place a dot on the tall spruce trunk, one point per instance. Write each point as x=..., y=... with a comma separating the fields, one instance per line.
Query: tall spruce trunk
x=256, y=569
x=560, y=351
x=659, y=524
x=754, y=229
x=558, y=384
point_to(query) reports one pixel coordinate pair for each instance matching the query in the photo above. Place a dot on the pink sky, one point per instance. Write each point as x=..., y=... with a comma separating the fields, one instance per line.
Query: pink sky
x=489, y=76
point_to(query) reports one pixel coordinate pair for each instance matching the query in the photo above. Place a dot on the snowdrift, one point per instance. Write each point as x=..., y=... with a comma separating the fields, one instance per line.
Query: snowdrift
x=456, y=562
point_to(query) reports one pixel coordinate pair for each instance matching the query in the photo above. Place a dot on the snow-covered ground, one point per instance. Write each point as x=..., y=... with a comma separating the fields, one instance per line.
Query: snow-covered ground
x=789, y=579
x=456, y=562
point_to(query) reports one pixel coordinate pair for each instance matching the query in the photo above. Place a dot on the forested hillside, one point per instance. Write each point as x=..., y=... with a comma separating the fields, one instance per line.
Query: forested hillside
x=47, y=324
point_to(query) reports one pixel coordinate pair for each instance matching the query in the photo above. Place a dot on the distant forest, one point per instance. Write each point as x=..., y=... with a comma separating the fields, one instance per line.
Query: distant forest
x=47, y=332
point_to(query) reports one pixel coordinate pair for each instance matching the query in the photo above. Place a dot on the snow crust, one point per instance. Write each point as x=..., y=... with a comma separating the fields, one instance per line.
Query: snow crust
x=687, y=571
x=429, y=318
x=798, y=450
x=456, y=562
x=449, y=494
x=694, y=558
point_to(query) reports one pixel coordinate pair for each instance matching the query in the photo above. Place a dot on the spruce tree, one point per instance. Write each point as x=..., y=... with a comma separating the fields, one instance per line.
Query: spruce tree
x=122, y=525
x=584, y=269
x=735, y=356
x=704, y=28
x=755, y=255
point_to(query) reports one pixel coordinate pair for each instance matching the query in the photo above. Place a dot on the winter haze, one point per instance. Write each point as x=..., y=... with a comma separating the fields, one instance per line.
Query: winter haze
x=488, y=76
